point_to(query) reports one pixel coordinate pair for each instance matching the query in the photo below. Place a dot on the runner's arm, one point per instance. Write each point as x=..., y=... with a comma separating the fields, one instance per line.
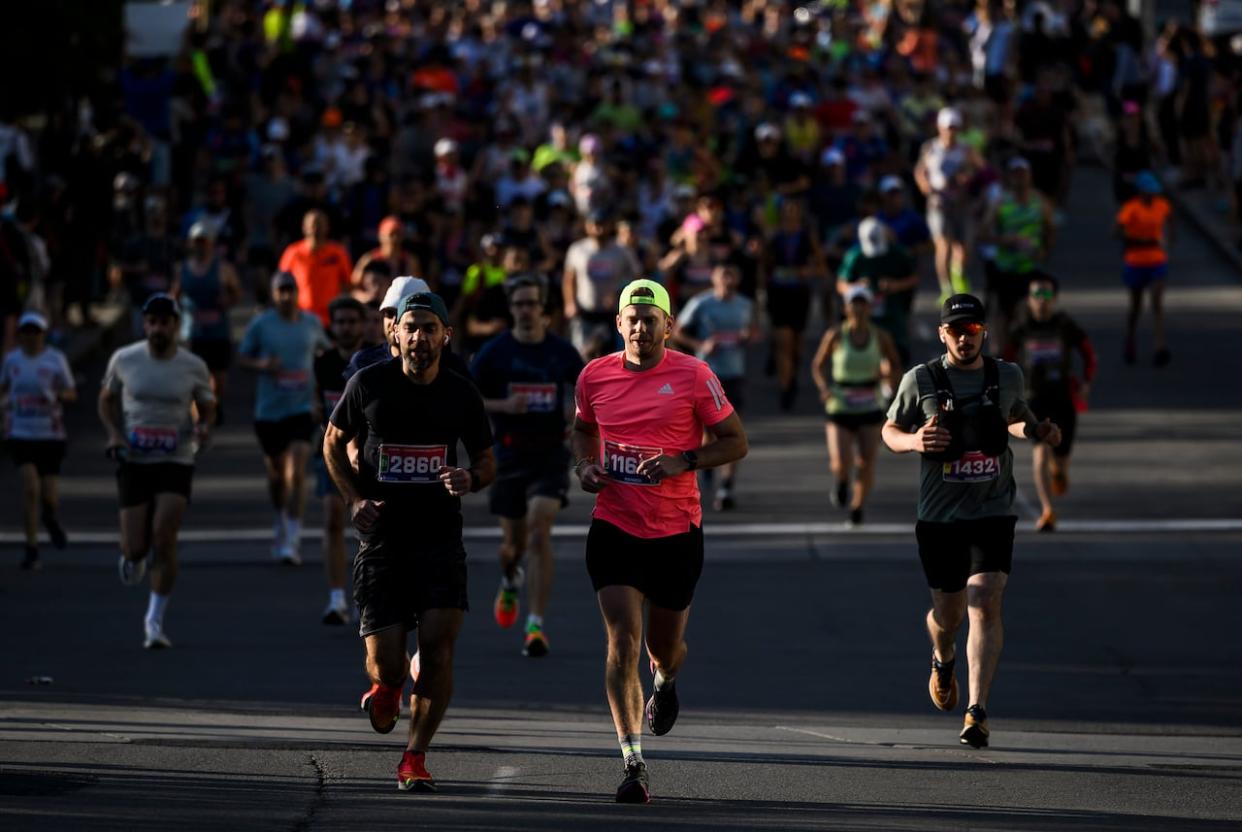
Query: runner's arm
x=729, y=443
x=230, y=286
x=584, y=442
x=110, y=416
x=820, y=364
x=340, y=469
x=568, y=288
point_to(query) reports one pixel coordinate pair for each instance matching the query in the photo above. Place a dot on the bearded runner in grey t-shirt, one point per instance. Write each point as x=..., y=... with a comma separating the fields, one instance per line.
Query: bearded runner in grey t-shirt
x=966, y=522
x=144, y=404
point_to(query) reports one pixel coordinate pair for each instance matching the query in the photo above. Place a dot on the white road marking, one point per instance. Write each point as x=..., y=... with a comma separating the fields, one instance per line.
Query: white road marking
x=498, y=783
x=719, y=530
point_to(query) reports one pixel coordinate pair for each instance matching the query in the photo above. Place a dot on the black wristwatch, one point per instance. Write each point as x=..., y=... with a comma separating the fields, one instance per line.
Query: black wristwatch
x=691, y=459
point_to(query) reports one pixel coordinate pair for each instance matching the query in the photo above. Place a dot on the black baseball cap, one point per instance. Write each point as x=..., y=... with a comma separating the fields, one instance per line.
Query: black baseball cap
x=425, y=300
x=963, y=309
x=161, y=305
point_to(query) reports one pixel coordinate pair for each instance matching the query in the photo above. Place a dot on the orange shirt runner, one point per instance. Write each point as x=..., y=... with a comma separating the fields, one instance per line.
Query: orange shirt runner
x=322, y=274
x=642, y=414
x=1145, y=222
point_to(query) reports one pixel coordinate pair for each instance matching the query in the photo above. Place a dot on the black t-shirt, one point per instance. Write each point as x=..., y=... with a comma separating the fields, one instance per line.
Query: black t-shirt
x=407, y=433
x=545, y=373
x=1045, y=352
x=330, y=379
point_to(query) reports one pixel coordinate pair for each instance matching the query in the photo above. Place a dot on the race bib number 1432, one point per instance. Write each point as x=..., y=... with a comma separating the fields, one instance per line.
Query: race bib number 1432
x=973, y=466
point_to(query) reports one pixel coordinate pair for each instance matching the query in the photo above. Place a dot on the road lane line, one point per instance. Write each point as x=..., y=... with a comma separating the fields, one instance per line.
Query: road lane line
x=719, y=530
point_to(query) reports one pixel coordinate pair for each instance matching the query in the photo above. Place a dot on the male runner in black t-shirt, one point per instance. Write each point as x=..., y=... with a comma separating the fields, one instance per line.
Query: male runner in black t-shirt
x=404, y=498
x=346, y=316
x=527, y=376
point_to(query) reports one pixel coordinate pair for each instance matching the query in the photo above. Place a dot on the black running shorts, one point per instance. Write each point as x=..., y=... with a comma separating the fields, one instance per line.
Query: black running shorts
x=952, y=552
x=789, y=306
x=665, y=569
x=1060, y=411
x=517, y=483
x=394, y=584
x=44, y=454
x=217, y=353
x=276, y=437
x=138, y=484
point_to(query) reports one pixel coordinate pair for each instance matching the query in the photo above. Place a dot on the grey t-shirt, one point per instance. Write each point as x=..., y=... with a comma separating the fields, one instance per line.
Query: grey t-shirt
x=599, y=273
x=974, y=486
x=155, y=401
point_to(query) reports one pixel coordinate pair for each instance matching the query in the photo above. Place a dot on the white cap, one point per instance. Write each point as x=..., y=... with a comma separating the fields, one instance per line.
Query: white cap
x=685, y=191
x=948, y=117
x=400, y=289
x=32, y=319
x=1019, y=163
x=445, y=146
x=858, y=291
x=767, y=130
x=891, y=183
x=872, y=237
x=831, y=156
x=799, y=99
x=277, y=130
x=201, y=231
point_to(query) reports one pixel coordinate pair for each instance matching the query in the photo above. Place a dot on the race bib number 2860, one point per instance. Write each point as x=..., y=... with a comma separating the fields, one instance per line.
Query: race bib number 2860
x=411, y=464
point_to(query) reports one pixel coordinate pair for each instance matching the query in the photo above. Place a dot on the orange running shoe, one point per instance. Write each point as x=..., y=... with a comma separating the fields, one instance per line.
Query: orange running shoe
x=943, y=684
x=975, y=731
x=506, y=607
x=412, y=774
x=1047, y=522
x=383, y=706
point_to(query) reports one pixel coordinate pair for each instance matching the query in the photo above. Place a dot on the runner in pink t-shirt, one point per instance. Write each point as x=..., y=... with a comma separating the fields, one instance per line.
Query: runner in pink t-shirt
x=638, y=441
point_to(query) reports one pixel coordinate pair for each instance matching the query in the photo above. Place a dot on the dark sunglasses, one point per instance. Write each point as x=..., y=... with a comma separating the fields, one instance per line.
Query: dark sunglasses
x=958, y=330
x=1043, y=294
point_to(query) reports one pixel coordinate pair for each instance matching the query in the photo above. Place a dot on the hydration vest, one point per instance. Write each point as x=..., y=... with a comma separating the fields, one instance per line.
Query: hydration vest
x=985, y=429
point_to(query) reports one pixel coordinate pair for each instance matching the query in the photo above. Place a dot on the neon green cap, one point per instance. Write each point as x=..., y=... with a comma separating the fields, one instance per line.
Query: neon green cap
x=658, y=297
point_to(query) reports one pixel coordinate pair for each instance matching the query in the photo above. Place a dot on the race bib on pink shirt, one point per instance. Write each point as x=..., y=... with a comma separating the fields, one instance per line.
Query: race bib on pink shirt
x=973, y=466
x=621, y=462
x=411, y=464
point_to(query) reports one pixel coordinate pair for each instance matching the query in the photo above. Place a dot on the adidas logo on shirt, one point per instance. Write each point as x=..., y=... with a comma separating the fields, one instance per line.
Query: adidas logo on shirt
x=666, y=390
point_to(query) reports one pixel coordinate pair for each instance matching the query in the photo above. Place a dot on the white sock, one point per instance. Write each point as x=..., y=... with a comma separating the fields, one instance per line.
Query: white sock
x=336, y=598
x=155, y=608
x=293, y=530
x=631, y=748
x=661, y=680
x=278, y=528
x=535, y=621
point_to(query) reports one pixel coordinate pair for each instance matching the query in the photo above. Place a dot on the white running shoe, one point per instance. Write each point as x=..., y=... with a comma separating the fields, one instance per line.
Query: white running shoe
x=132, y=571
x=288, y=555
x=156, y=640
x=278, y=538
x=336, y=616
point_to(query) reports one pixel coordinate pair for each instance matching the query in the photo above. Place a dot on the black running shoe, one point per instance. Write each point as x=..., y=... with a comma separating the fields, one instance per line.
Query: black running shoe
x=633, y=788
x=59, y=539
x=31, y=559
x=662, y=709
x=856, y=517
x=975, y=730
x=842, y=497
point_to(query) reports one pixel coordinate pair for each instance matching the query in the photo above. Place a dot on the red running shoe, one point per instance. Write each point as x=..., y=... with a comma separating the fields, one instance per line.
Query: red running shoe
x=383, y=706
x=412, y=774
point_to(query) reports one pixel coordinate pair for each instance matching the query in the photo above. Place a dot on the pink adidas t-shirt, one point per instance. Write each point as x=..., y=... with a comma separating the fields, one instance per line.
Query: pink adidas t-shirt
x=642, y=414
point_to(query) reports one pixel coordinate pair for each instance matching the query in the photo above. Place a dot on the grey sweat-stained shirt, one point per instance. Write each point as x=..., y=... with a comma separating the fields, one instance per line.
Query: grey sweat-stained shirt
x=155, y=401
x=971, y=488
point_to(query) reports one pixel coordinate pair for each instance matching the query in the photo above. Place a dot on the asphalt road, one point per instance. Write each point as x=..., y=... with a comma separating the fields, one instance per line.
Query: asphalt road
x=1118, y=704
